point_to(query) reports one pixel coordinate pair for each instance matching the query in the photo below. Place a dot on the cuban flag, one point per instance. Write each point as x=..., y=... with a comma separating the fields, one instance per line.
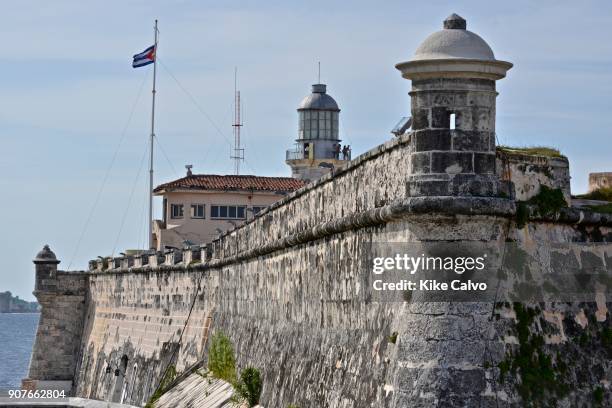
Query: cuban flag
x=144, y=58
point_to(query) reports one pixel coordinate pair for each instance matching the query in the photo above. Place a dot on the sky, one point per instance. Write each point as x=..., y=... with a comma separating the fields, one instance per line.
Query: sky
x=75, y=116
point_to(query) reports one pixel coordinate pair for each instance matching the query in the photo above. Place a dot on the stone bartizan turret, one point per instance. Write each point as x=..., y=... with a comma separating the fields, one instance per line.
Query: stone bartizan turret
x=453, y=75
x=317, y=148
x=61, y=296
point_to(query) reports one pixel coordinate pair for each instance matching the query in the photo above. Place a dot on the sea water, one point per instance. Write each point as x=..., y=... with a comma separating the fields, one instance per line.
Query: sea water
x=17, y=333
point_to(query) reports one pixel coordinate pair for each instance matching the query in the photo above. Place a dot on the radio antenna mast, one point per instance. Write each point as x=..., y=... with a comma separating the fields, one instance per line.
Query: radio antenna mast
x=238, y=153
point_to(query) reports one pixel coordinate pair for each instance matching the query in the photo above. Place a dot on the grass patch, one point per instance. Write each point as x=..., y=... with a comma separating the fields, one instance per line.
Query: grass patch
x=532, y=151
x=602, y=194
x=606, y=208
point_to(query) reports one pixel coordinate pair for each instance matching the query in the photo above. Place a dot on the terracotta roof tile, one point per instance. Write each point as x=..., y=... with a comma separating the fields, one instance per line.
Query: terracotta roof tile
x=232, y=183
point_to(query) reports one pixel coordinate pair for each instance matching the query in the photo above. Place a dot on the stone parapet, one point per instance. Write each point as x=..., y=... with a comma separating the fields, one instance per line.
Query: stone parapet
x=151, y=259
x=527, y=172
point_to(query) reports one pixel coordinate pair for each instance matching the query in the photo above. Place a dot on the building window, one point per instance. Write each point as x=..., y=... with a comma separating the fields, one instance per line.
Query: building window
x=235, y=212
x=176, y=210
x=314, y=125
x=197, y=211
x=452, y=121
x=334, y=125
x=257, y=209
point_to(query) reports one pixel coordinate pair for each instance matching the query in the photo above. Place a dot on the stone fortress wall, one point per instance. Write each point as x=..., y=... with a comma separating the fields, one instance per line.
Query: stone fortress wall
x=291, y=287
x=288, y=289
x=600, y=180
x=529, y=172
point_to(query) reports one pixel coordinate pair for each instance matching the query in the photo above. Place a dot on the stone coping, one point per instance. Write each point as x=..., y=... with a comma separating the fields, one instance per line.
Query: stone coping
x=452, y=205
x=399, y=210
x=519, y=156
x=574, y=215
x=454, y=68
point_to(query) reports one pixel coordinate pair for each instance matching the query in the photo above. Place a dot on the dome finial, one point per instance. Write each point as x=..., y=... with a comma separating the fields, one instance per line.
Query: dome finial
x=319, y=88
x=455, y=22
x=46, y=256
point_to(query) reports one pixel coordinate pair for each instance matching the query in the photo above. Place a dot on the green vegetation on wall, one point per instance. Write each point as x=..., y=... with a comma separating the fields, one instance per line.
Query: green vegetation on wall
x=169, y=377
x=221, y=360
x=222, y=365
x=603, y=194
x=249, y=387
x=547, y=202
x=543, y=374
x=542, y=380
x=531, y=151
x=605, y=208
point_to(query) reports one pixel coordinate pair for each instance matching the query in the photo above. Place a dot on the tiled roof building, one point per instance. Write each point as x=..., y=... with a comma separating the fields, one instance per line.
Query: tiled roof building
x=282, y=185
x=198, y=207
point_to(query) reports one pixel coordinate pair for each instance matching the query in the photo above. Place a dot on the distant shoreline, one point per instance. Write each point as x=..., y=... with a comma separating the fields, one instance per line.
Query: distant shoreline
x=19, y=312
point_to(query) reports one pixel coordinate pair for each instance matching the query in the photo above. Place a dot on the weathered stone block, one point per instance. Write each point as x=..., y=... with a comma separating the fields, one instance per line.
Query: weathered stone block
x=420, y=119
x=452, y=163
x=420, y=163
x=426, y=140
x=440, y=117
x=465, y=140
x=484, y=163
x=417, y=188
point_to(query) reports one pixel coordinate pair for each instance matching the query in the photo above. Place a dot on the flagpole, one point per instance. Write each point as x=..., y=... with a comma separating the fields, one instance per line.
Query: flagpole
x=152, y=143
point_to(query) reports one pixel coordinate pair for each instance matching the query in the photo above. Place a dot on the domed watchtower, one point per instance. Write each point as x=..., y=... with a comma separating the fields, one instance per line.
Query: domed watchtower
x=317, y=149
x=453, y=75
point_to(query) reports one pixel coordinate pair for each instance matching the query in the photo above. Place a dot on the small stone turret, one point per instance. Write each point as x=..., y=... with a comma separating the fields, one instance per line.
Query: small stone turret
x=61, y=296
x=453, y=75
x=46, y=269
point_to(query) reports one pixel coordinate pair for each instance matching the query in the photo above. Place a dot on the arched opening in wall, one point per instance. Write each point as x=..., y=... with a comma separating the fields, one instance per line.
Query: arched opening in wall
x=452, y=121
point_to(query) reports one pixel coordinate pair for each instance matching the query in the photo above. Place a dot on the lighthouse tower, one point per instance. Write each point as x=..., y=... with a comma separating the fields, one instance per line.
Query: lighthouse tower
x=453, y=74
x=318, y=147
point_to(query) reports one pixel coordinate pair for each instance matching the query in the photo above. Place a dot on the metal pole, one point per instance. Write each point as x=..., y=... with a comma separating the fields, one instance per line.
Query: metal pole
x=152, y=142
x=238, y=151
